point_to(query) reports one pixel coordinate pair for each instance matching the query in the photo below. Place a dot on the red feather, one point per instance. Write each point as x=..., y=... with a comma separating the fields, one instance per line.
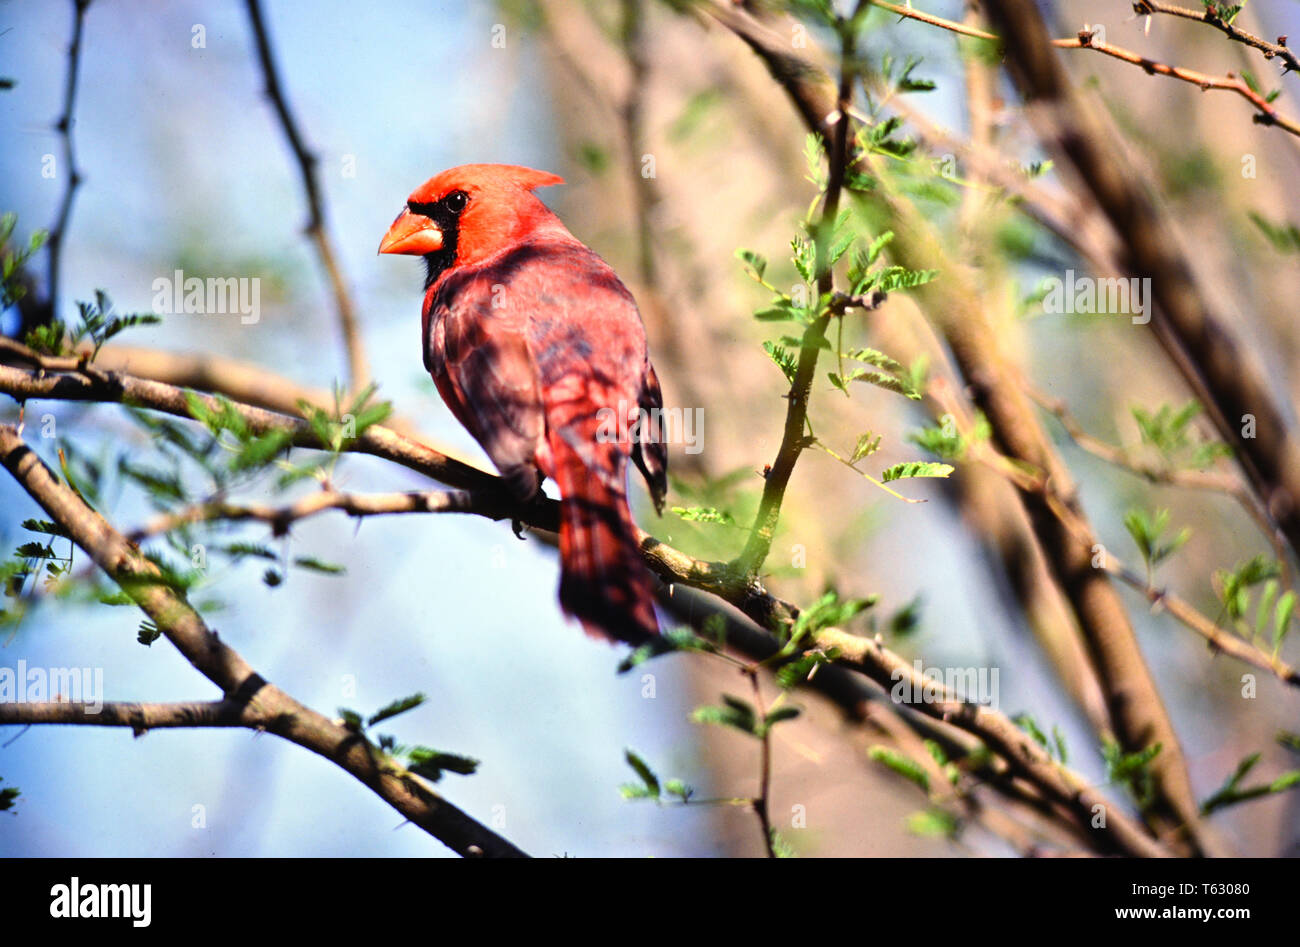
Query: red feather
x=538, y=349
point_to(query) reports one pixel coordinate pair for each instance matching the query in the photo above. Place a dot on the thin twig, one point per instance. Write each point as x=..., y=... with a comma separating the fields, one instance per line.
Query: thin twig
x=72, y=174
x=281, y=518
x=794, y=438
x=358, y=368
x=1182, y=611
x=1266, y=114
x=1214, y=481
x=761, y=802
x=1276, y=50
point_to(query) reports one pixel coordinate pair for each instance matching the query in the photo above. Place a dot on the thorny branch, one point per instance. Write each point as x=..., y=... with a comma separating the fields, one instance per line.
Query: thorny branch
x=1266, y=114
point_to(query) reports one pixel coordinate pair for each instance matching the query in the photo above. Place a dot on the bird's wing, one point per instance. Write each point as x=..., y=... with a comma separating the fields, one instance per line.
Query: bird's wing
x=477, y=354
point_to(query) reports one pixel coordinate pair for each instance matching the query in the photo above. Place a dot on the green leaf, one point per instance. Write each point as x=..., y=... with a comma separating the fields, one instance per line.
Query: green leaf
x=915, y=468
x=643, y=770
x=431, y=763
x=1282, y=618
x=400, y=706
x=316, y=565
x=735, y=713
x=675, y=787
x=902, y=765
x=867, y=445
x=784, y=360
x=1146, y=531
x=778, y=715
x=933, y=823
x=703, y=514
x=756, y=262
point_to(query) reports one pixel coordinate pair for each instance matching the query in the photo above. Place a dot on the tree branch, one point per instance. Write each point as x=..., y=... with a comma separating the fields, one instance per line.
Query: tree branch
x=358, y=368
x=671, y=565
x=72, y=173
x=1265, y=113
x=1137, y=712
x=261, y=705
x=1271, y=50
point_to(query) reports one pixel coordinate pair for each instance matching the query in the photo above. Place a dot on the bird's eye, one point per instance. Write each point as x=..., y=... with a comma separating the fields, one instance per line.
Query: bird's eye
x=456, y=201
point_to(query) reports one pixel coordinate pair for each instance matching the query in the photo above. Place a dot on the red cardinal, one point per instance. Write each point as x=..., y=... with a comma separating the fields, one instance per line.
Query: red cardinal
x=539, y=351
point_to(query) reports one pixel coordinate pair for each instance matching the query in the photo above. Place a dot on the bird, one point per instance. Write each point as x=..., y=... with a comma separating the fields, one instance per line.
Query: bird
x=539, y=351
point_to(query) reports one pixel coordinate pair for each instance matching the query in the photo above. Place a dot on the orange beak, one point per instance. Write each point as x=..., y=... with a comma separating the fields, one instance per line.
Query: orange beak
x=413, y=234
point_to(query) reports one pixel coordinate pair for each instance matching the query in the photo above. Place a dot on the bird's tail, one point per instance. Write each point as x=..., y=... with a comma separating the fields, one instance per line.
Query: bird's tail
x=603, y=581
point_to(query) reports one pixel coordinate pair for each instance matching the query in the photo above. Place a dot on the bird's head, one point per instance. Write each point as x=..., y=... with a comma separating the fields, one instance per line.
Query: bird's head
x=467, y=214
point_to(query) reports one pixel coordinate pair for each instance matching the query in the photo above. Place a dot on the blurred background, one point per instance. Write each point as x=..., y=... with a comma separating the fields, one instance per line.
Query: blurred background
x=186, y=167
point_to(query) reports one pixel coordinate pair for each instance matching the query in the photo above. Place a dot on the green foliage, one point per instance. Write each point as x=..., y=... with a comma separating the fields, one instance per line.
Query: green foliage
x=1236, y=592
x=735, y=713
x=827, y=612
x=432, y=764
x=400, y=706
x=704, y=514
x=900, y=77
x=915, y=468
x=933, y=823
x=793, y=673
x=1147, y=530
x=8, y=796
x=13, y=260
x=1169, y=432
x=419, y=760
x=1225, y=12
x=33, y=560
x=1132, y=770
x=1285, y=237
x=901, y=764
x=945, y=441
x=677, y=639
x=780, y=847
x=1232, y=792
x=740, y=715
x=902, y=622
x=1055, y=747
x=1249, y=78
x=783, y=358
x=98, y=324
x=650, y=787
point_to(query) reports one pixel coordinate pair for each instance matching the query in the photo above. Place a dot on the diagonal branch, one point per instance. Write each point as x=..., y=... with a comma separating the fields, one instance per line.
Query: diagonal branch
x=1265, y=113
x=358, y=368
x=259, y=704
x=1276, y=50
